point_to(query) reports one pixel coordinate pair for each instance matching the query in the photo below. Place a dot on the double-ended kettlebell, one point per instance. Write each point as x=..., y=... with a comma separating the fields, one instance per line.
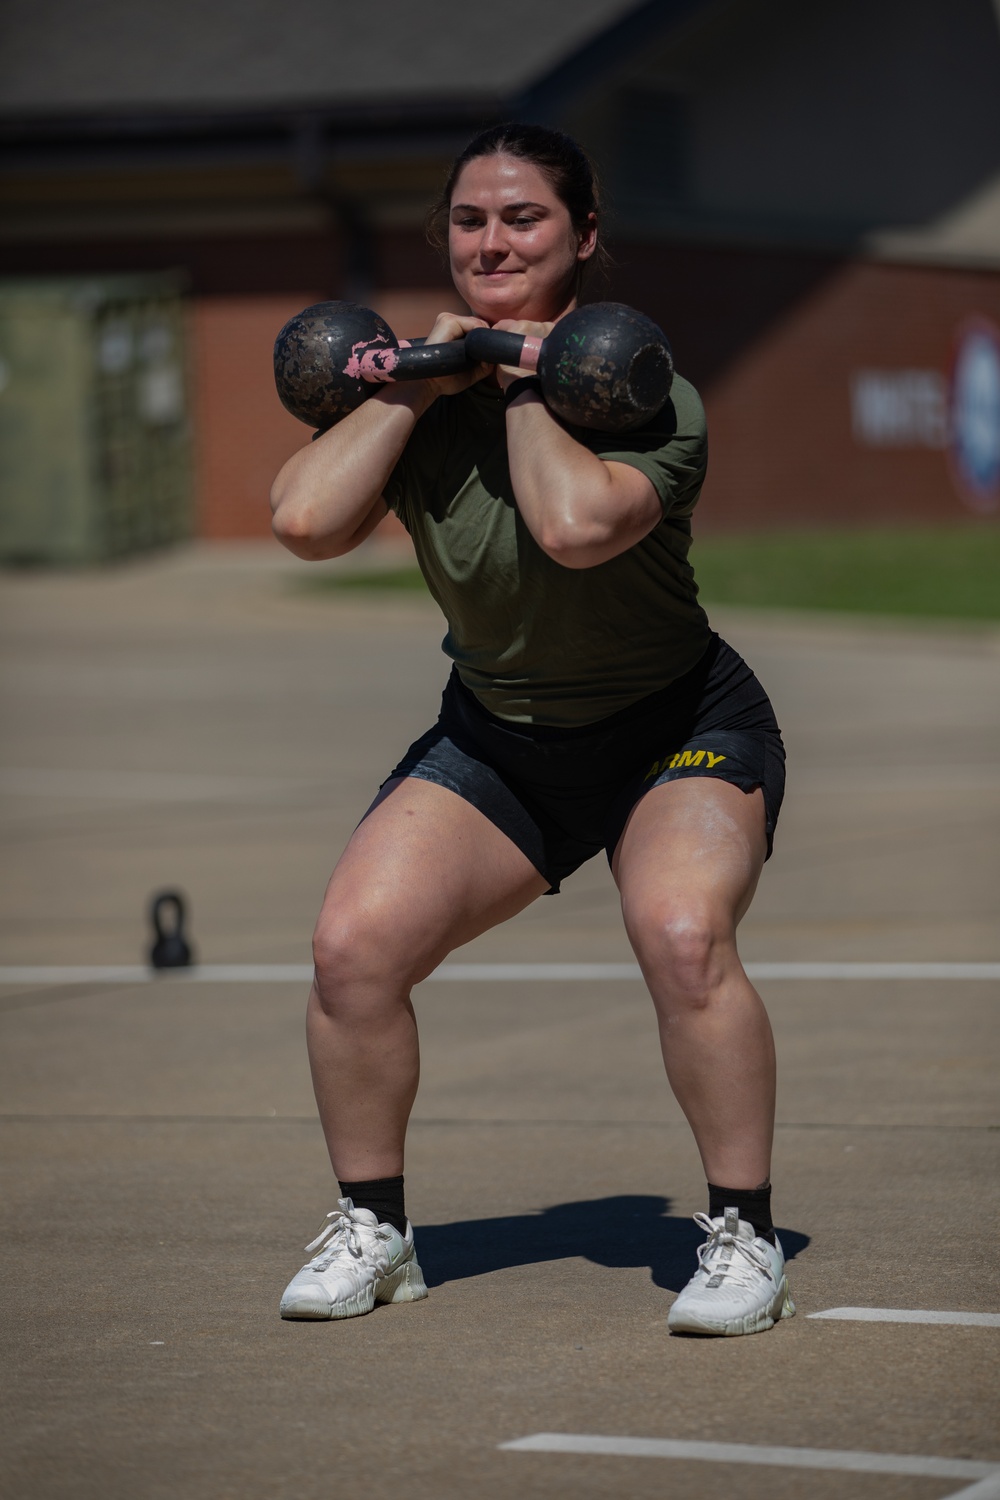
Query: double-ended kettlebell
x=603, y=366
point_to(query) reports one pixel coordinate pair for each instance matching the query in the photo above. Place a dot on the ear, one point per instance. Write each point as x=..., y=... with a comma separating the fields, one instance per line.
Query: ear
x=588, y=239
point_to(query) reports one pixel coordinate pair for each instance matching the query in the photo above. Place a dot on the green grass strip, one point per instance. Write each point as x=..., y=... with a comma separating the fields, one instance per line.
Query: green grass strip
x=940, y=572
x=951, y=572
x=408, y=579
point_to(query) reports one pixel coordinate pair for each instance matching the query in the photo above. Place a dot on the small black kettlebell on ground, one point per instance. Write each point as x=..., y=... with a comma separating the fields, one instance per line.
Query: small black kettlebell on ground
x=171, y=950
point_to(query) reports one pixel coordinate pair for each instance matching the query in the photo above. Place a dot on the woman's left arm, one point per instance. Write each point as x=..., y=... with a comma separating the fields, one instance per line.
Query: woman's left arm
x=580, y=509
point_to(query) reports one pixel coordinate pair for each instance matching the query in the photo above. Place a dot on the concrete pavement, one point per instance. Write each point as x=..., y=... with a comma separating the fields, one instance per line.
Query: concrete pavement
x=205, y=720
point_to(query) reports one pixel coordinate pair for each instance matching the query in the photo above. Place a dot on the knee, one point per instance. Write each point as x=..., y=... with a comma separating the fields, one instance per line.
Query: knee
x=354, y=958
x=684, y=949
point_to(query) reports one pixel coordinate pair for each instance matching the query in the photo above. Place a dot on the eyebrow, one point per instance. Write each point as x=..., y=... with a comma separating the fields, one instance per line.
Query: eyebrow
x=475, y=207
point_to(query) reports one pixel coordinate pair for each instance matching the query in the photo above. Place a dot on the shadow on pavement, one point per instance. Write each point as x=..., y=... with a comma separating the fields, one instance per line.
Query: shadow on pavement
x=628, y=1230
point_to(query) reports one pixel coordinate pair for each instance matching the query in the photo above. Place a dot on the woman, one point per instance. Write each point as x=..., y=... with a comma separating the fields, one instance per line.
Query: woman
x=590, y=707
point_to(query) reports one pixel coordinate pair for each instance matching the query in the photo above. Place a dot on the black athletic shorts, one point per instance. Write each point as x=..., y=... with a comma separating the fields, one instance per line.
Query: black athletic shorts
x=563, y=795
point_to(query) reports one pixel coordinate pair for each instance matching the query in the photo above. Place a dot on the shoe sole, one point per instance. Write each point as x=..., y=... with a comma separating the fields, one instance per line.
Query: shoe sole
x=780, y=1306
x=405, y=1284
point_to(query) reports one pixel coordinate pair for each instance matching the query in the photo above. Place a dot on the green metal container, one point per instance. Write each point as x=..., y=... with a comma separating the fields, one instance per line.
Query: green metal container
x=95, y=440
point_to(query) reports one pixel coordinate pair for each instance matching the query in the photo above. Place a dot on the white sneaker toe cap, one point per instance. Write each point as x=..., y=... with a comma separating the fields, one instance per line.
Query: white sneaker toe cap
x=306, y=1297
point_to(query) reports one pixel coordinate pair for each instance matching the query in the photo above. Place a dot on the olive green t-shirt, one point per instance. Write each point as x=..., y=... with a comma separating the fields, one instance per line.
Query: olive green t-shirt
x=534, y=641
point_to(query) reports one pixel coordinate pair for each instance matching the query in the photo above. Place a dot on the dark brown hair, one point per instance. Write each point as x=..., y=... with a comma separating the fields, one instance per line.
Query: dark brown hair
x=565, y=165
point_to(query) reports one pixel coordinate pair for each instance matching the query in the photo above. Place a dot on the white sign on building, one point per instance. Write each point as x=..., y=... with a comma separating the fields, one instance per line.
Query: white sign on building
x=913, y=408
x=899, y=408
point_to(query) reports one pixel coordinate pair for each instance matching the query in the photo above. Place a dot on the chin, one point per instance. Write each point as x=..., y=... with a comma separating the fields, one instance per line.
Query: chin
x=497, y=301
x=516, y=300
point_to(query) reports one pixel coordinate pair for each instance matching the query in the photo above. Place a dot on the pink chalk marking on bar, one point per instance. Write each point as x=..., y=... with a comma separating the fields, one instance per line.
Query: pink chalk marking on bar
x=530, y=353
x=378, y=364
x=360, y=352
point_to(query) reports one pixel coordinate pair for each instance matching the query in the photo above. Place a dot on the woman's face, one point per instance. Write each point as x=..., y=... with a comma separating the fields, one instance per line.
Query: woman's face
x=514, y=251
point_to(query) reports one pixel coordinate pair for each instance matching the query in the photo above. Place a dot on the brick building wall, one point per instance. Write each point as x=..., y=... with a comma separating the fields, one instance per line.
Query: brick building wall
x=242, y=432
x=839, y=411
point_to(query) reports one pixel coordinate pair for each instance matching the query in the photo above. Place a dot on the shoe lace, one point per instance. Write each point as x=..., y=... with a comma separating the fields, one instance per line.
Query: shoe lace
x=724, y=1254
x=343, y=1233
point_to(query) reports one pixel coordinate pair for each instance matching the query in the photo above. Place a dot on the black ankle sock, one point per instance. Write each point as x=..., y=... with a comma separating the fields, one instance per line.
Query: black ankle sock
x=752, y=1204
x=383, y=1195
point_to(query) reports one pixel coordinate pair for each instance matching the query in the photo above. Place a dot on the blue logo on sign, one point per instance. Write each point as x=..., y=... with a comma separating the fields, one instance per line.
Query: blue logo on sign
x=975, y=415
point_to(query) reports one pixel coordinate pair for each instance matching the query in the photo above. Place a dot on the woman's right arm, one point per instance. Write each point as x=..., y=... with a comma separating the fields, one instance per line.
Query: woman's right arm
x=328, y=497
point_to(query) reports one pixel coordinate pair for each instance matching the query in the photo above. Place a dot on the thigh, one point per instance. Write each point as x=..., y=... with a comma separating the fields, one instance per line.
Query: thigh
x=694, y=846
x=423, y=873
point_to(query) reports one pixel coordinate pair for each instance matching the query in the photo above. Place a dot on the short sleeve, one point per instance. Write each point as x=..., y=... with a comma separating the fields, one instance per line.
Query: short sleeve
x=671, y=449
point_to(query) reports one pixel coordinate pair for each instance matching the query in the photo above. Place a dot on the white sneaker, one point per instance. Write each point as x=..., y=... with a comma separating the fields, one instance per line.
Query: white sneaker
x=739, y=1286
x=358, y=1262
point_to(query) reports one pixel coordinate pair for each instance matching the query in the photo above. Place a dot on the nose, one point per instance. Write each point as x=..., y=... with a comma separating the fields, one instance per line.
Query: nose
x=493, y=240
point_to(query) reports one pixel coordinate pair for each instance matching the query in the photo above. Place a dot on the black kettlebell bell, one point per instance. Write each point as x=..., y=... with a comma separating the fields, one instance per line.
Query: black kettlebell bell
x=332, y=356
x=171, y=950
x=310, y=353
x=603, y=366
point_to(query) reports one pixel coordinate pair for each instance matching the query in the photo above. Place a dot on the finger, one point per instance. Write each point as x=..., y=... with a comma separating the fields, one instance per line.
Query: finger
x=451, y=326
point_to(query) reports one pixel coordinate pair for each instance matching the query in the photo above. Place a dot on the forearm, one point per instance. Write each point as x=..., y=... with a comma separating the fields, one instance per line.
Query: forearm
x=580, y=510
x=328, y=497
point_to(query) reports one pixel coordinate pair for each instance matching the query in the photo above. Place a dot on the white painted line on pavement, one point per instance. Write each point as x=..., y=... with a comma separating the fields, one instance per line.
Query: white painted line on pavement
x=908, y=1315
x=749, y=1453
x=473, y=973
x=143, y=974
x=874, y=971
x=754, y=970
